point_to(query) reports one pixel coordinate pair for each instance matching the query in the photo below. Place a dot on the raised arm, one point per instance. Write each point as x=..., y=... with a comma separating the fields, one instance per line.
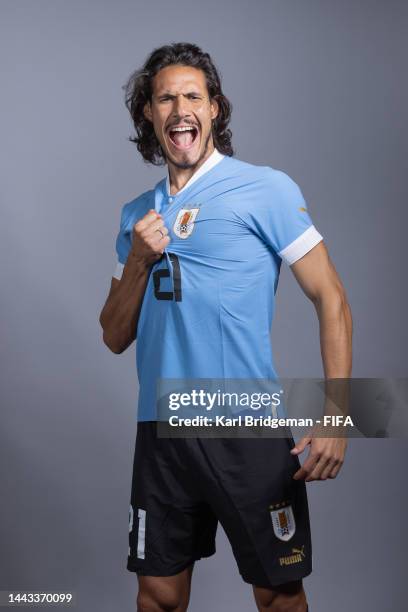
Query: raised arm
x=120, y=314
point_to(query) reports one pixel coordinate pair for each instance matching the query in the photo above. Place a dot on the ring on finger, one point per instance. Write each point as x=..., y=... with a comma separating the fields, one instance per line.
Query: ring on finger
x=162, y=235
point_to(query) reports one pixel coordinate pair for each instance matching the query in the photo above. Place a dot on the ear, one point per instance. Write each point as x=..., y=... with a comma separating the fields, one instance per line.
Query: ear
x=214, y=108
x=147, y=111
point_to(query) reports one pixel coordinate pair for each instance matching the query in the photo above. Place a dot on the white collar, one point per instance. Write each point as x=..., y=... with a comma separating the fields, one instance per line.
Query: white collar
x=209, y=163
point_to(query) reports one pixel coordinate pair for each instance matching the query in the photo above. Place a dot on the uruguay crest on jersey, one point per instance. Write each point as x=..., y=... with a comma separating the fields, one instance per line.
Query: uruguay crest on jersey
x=184, y=223
x=283, y=522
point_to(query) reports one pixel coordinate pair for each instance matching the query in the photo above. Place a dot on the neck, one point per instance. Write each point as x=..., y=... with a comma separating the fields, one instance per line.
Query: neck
x=179, y=175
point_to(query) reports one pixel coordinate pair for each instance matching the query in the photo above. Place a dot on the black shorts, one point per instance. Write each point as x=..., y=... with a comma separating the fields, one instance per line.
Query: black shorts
x=182, y=487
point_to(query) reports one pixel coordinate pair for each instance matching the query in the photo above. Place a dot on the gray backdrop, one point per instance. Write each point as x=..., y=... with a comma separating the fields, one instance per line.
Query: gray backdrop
x=318, y=90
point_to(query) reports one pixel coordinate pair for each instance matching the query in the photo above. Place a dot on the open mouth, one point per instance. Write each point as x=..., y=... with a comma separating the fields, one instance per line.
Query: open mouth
x=183, y=138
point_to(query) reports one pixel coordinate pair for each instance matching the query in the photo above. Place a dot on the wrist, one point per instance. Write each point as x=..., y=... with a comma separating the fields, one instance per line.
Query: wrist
x=137, y=262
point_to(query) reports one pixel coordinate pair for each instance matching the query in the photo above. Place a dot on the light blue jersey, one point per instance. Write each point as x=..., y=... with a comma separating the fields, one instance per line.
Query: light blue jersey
x=209, y=303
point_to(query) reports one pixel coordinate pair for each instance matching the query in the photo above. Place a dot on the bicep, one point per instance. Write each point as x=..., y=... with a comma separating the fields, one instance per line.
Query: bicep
x=316, y=274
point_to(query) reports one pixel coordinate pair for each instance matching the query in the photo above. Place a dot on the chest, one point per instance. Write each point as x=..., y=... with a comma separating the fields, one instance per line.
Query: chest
x=212, y=229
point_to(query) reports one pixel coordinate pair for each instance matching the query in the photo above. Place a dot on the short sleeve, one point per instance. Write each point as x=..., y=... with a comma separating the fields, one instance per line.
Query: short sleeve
x=123, y=244
x=280, y=217
x=132, y=212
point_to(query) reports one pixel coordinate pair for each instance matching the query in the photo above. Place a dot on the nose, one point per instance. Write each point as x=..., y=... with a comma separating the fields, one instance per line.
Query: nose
x=181, y=106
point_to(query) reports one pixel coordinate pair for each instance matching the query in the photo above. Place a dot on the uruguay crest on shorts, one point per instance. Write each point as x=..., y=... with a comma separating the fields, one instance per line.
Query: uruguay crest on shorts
x=184, y=223
x=283, y=522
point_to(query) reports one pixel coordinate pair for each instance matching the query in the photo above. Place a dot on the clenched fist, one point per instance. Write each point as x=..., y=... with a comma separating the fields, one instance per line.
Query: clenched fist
x=150, y=238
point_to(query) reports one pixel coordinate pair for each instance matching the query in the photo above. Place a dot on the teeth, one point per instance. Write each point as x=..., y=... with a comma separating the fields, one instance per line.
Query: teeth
x=181, y=129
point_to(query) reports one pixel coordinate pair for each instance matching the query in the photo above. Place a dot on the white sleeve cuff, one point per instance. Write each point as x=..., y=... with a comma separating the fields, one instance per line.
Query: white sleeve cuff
x=302, y=245
x=118, y=271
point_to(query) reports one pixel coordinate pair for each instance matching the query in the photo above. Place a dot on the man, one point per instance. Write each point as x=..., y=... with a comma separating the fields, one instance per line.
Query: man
x=198, y=264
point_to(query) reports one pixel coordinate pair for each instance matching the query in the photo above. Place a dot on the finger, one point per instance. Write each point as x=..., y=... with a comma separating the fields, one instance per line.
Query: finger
x=158, y=249
x=157, y=237
x=328, y=468
x=315, y=474
x=163, y=243
x=161, y=230
x=307, y=467
x=151, y=214
x=299, y=475
x=301, y=445
x=336, y=469
x=149, y=234
x=146, y=221
x=152, y=230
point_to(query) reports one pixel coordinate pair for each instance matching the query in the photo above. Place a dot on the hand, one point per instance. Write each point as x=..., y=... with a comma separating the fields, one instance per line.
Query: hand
x=326, y=456
x=150, y=238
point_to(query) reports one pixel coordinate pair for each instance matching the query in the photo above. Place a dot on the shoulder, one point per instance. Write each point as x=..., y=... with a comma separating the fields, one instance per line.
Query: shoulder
x=277, y=181
x=279, y=189
x=271, y=178
x=243, y=169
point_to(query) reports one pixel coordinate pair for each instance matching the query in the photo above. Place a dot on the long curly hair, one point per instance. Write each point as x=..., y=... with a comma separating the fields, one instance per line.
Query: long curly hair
x=138, y=91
